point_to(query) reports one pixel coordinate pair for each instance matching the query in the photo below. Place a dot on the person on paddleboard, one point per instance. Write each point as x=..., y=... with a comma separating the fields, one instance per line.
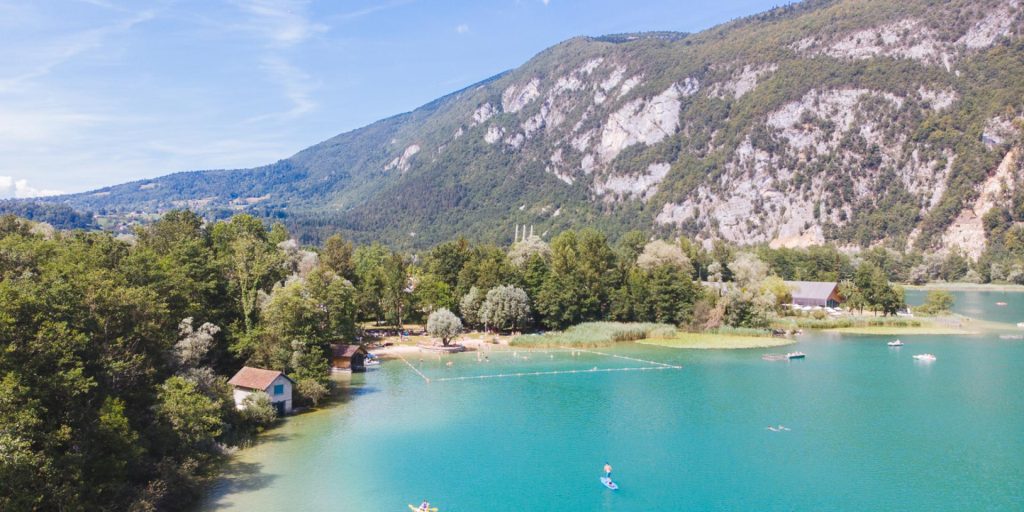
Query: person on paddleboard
x=425, y=506
x=608, y=471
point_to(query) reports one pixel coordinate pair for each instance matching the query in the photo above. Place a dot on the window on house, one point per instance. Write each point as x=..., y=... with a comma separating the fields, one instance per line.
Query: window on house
x=278, y=389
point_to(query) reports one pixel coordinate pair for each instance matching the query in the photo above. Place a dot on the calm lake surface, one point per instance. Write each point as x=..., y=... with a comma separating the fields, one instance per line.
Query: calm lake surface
x=870, y=429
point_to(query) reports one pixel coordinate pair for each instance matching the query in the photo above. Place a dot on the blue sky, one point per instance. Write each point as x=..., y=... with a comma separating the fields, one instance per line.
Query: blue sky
x=98, y=92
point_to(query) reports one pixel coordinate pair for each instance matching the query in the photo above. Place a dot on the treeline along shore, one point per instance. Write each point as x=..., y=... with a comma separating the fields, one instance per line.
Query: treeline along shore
x=116, y=350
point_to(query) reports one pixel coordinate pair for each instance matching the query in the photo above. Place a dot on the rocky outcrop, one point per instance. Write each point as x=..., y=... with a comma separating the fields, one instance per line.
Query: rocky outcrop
x=643, y=122
x=403, y=161
x=967, y=232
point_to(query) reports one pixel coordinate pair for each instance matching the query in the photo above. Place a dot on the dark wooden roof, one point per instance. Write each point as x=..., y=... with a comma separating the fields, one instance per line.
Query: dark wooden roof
x=341, y=350
x=817, y=290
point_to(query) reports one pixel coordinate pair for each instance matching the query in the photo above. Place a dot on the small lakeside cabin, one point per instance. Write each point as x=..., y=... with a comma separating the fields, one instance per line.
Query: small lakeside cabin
x=275, y=384
x=815, y=293
x=348, y=358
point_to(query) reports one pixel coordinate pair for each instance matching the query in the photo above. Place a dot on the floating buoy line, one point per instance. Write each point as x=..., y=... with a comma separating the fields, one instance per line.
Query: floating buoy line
x=656, y=366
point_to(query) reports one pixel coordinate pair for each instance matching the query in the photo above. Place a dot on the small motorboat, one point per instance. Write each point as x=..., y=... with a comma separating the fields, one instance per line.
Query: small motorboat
x=607, y=482
x=419, y=509
x=1000, y=303
x=895, y=343
x=371, y=360
x=796, y=355
x=924, y=357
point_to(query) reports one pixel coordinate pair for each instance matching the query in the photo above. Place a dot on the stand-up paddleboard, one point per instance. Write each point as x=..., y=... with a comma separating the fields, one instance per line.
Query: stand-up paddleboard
x=609, y=484
x=417, y=509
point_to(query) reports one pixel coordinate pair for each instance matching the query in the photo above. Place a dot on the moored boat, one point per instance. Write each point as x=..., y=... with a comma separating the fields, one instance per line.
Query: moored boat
x=924, y=357
x=796, y=355
x=895, y=343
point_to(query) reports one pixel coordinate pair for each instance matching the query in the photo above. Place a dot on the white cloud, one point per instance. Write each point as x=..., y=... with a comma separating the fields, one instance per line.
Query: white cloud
x=546, y=2
x=282, y=22
x=462, y=28
x=19, y=188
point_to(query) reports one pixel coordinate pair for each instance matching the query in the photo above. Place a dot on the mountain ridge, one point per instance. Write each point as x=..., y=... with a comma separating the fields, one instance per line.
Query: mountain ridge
x=858, y=123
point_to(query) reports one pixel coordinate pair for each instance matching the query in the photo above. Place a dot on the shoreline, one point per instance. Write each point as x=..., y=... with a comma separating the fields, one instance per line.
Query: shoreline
x=966, y=287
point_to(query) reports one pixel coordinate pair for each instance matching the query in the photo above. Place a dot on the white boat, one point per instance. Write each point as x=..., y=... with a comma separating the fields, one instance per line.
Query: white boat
x=796, y=355
x=895, y=343
x=924, y=357
x=1020, y=324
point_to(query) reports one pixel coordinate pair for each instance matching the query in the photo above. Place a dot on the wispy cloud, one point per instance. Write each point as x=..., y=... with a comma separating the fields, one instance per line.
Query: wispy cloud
x=297, y=86
x=51, y=54
x=462, y=28
x=366, y=11
x=281, y=22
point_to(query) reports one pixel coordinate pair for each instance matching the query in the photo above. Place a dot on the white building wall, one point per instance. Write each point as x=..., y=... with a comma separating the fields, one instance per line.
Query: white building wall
x=240, y=394
x=285, y=396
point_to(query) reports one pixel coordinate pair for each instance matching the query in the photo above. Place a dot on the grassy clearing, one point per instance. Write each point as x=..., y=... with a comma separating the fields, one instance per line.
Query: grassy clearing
x=595, y=334
x=717, y=341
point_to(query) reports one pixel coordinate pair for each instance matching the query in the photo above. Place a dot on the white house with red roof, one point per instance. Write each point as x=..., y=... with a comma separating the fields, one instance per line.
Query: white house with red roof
x=275, y=384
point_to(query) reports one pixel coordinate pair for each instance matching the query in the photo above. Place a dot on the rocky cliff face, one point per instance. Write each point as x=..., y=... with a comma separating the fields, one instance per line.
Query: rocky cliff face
x=860, y=122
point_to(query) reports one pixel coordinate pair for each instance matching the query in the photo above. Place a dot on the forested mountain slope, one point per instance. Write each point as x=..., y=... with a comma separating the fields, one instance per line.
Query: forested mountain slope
x=853, y=121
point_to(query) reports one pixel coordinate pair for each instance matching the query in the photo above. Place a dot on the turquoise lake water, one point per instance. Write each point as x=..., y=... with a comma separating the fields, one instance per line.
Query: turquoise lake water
x=870, y=429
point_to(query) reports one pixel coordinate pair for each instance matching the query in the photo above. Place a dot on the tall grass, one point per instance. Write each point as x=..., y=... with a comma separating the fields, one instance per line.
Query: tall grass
x=595, y=334
x=839, y=323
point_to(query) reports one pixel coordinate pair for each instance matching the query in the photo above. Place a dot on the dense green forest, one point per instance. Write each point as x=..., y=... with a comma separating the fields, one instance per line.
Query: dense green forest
x=116, y=351
x=59, y=216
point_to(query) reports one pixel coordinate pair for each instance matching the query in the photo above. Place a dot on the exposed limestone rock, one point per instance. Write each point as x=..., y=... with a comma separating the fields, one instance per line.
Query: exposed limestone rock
x=629, y=84
x=926, y=178
x=613, y=79
x=567, y=178
x=591, y=65
x=582, y=141
x=998, y=130
x=483, y=113
x=907, y=38
x=403, y=162
x=939, y=100
x=515, y=140
x=568, y=83
x=992, y=27
x=588, y=164
x=644, y=185
x=838, y=106
x=645, y=122
x=743, y=82
x=967, y=231
x=516, y=97
x=493, y=134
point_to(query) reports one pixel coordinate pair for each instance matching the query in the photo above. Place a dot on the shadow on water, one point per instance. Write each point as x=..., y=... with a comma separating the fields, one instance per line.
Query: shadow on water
x=237, y=477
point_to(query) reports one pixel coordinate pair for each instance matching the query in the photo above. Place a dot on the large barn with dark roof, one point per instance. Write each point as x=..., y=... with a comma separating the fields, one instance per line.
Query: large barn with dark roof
x=815, y=293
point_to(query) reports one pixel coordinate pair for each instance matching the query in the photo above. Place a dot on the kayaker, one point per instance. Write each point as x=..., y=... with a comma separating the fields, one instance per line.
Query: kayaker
x=608, y=470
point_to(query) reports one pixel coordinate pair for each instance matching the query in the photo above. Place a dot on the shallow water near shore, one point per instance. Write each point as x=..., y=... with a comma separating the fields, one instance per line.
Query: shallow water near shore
x=870, y=429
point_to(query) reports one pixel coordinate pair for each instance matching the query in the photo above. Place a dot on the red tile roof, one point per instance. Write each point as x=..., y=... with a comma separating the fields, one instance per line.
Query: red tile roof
x=255, y=378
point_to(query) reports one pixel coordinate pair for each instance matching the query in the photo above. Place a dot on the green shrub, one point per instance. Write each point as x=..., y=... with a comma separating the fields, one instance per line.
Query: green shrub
x=595, y=334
